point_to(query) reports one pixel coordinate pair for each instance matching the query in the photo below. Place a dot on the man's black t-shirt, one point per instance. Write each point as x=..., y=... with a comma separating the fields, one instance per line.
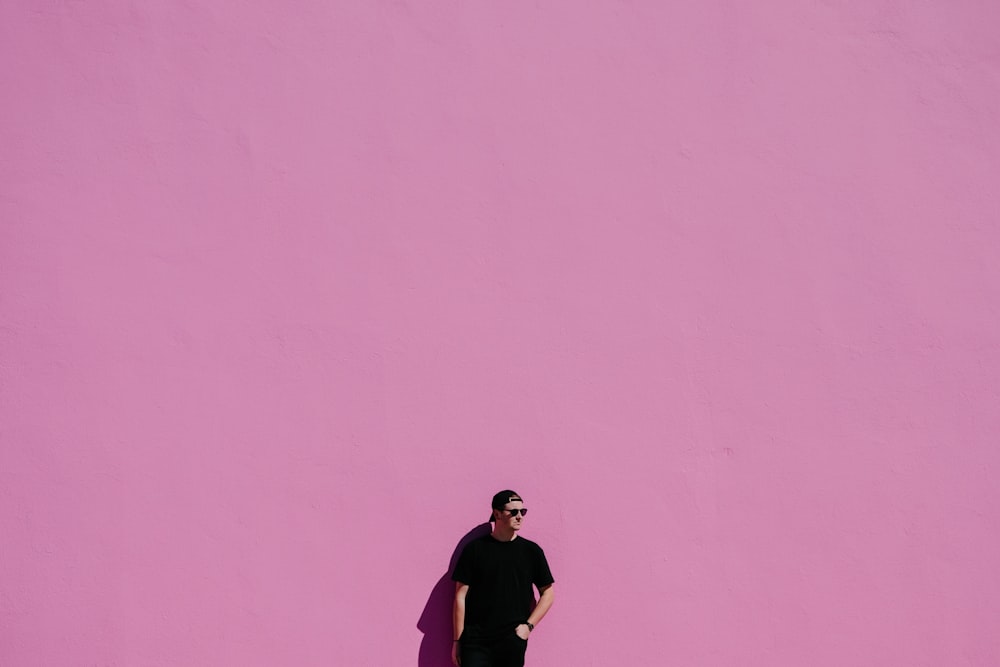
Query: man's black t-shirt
x=500, y=577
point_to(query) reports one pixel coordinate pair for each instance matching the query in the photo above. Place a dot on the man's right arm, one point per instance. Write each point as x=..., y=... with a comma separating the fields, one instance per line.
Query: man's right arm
x=458, y=620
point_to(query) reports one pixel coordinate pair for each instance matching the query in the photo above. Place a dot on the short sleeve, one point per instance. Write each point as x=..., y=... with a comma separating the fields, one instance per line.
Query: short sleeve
x=542, y=576
x=463, y=568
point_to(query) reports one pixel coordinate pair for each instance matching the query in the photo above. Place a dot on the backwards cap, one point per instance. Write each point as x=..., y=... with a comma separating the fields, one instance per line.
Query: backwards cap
x=502, y=498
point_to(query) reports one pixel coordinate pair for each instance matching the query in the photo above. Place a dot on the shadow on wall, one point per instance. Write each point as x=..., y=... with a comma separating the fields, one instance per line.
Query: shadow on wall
x=435, y=621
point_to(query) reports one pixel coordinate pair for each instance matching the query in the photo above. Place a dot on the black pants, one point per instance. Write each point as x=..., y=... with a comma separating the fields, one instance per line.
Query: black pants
x=507, y=651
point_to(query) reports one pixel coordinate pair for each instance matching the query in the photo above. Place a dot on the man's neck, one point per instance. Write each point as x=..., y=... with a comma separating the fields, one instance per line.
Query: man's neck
x=501, y=535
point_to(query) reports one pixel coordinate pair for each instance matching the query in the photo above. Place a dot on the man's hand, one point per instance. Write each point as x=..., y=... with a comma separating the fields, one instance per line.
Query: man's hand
x=456, y=655
x=523, y=631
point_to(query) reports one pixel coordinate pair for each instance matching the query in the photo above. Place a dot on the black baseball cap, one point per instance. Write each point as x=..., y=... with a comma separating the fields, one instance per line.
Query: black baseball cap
x=502, y=498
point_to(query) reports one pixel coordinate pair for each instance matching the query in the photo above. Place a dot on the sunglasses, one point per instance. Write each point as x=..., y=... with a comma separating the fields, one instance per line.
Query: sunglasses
x=523, y=511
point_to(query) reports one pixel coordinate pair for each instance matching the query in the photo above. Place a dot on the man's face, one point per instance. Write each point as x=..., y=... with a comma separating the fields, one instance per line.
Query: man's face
x=512, y=514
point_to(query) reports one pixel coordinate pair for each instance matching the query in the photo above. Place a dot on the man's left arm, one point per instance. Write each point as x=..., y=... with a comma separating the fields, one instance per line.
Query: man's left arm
x=545, y=599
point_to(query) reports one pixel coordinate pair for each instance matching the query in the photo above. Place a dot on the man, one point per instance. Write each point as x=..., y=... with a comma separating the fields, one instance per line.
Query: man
x=495, y=609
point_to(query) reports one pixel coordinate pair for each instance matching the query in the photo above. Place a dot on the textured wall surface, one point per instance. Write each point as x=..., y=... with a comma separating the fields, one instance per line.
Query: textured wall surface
x=289, y=290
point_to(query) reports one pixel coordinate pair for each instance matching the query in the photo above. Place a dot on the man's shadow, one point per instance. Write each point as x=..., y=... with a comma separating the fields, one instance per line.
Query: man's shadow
x=435, y=621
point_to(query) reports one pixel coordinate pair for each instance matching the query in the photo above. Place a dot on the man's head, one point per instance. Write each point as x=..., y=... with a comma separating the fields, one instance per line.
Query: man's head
x=508, y=509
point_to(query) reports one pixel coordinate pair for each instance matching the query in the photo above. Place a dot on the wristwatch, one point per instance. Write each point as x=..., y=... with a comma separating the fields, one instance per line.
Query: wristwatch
x=531, y=626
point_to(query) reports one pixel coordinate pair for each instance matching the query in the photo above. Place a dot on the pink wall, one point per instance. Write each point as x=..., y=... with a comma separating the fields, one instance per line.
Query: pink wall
x=288, y=290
